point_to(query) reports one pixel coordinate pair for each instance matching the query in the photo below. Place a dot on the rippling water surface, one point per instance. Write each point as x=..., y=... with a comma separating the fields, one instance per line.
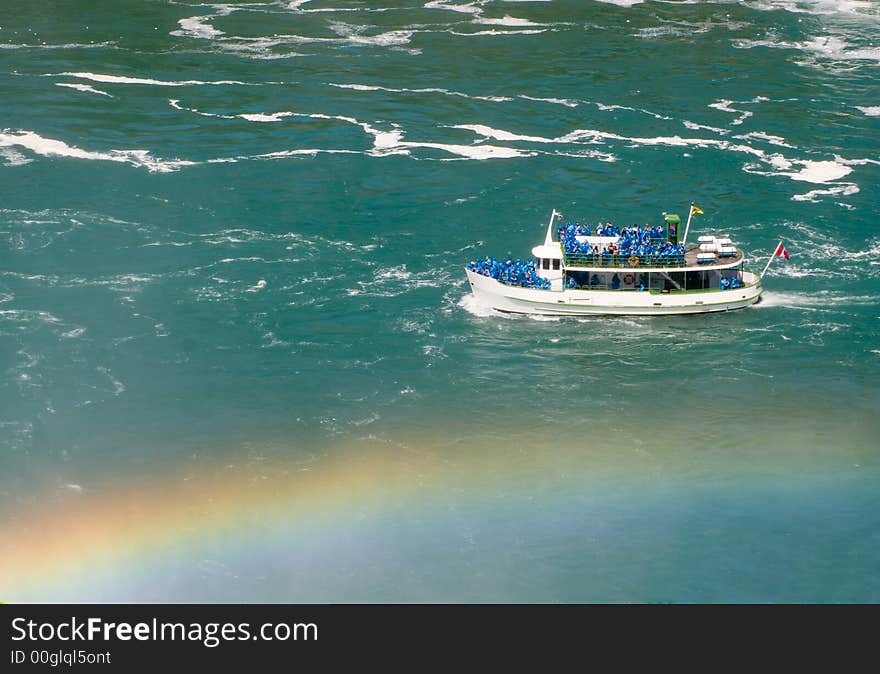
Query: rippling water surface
x=239, y=360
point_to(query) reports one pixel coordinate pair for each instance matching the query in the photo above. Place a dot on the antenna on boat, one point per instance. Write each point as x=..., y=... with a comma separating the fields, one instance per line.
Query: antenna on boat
x=548, y=240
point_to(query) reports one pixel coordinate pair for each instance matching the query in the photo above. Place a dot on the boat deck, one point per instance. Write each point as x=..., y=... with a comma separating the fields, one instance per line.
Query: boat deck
x=679, y=263
x=690, y=257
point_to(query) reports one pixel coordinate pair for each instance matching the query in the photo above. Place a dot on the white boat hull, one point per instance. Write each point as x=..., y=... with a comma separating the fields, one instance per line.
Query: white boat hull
x=513, y=299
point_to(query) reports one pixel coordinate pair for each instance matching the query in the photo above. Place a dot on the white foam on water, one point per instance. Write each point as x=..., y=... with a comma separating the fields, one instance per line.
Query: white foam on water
x=750, y=44
x=385, y=142
x=389, y=142
x=507, y=20
x=597, y=136
x=497, y=134
x=870, y=111
x=311, y=152
x=816, y=172
x=354, y=35
x=12, y=157
x=592, y=154
x=603, y=106
x=812, y=171
x=859, y=8
x=118, y=386
x=372, y=418
x=473, y=306
x=198, y=27
x=121, y=79
x=70, y=45
x=425, y=90
x=341, y=118
x=819, y=301
x=766, y=137
x=812, y=195
x=336, y=10
x=348, y=34
x=823, y=172
x=469, y=8
x=449, y=92
x=871, y=253
x=654, y=32
x=590, y=135
x=556, y=101
x=479, y=152
x=87, y=88
x=834, y=48
x=702, y=127
x=622, y=3
x=480, y=33
x=365, y=87
x=261, y=55
x=262, y=117
x=724, y=106
x=394, y=273
x=224, y=9
x=811, y=260
x=820, y=50
x=49, y=147
x=772, y=298
x=260, y=48
x=175, y=103
x=856, y=162
x=820, y=171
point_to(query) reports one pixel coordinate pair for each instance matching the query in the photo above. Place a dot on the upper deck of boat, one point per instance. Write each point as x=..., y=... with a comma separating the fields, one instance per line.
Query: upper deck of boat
x=660, y=263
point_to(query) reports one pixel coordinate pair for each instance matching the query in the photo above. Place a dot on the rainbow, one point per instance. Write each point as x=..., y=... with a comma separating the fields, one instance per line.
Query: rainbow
x=76, y=538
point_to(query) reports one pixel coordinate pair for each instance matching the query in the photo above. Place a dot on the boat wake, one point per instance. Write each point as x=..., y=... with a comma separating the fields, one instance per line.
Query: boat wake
x=475, y=308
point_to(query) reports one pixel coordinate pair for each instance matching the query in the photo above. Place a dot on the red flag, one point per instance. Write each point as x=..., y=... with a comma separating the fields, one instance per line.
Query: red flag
x=780, y=251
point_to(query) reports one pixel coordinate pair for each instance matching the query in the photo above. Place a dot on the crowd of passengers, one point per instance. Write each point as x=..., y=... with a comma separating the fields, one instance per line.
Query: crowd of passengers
x=522, y=273
x=635, y=240
x=608, y=229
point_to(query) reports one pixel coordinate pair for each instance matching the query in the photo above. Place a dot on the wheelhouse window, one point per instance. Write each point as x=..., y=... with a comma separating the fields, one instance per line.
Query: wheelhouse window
x=545, y=263
x=555, y=265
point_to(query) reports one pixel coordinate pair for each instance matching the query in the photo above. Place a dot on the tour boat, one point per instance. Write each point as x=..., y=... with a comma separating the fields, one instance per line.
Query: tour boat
x=620, y=271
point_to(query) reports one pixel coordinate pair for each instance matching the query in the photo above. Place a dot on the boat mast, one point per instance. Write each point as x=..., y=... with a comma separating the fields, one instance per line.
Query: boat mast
x=548, y=240
x=779, y=250
x=687, y=226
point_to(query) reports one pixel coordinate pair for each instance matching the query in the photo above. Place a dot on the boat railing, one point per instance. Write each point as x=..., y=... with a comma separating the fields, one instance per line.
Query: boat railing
x=622, y=261
x=659, y=291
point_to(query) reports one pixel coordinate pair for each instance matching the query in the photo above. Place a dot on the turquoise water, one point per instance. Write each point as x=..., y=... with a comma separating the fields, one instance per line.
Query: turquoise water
x=233, y=240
